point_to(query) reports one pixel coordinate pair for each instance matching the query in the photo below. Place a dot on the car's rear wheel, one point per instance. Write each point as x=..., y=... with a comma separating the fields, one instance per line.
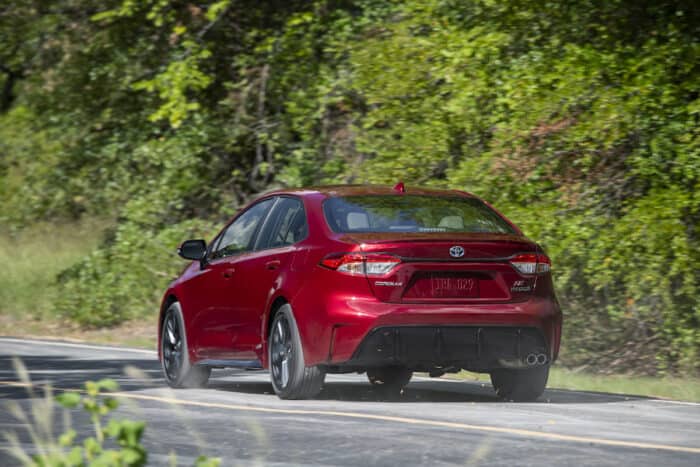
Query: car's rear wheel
x=175, y=361
x=389, y=379
x=291, y=378
x=520, y=384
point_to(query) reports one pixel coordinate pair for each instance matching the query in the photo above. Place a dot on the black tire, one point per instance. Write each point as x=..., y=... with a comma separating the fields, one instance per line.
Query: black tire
x=389, y=379
x=520, y=385
x=175, y=361
x=291, y=378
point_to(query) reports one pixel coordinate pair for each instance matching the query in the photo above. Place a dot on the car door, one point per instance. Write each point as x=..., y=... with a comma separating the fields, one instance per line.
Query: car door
x=219, y=324
x=264, y=269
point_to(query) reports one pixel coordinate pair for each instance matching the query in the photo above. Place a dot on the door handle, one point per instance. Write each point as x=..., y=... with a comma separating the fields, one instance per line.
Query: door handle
x=228, y=273
x=274, y=264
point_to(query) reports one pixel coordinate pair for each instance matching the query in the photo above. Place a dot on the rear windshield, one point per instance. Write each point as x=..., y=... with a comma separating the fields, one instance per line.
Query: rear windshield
x=412, y=213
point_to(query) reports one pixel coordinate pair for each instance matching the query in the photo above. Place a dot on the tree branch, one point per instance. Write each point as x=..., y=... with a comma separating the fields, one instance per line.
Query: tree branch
x=7, y=95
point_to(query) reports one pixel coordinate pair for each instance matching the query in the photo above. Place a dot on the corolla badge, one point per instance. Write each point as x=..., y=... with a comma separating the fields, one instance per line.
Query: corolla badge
x=456, y=251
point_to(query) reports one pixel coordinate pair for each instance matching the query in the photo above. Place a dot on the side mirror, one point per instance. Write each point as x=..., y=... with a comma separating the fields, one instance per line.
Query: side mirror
x=193, y=249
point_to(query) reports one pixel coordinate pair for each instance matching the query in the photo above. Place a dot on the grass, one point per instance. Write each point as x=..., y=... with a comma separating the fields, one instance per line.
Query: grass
x=32, y=259
x=677, y=388
x=687, y=389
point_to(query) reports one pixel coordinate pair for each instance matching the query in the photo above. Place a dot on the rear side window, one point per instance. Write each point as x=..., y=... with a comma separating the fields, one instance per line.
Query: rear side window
x=240, y=234
x=412, y=213
x=287, y=225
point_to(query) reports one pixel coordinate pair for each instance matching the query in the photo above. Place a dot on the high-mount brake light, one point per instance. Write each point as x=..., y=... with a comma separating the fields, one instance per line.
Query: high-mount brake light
x=531, y=263
x=360, y=264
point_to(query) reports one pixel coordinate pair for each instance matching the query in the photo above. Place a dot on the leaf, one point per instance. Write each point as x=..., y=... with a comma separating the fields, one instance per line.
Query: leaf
x=92, y=388
x=68, y=400
x=216, y=9
x=134, y=456
x=91, y=405
x=92, y=447
x=204, y=461
x=110, y=403
x=75, y=457
x=107, y=384
x=67, y=438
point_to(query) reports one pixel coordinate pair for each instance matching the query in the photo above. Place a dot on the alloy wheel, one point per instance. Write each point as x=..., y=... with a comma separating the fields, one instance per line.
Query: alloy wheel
x=281, y=353
x=172, y=347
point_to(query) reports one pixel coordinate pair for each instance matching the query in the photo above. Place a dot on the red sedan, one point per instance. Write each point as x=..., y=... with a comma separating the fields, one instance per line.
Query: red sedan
x=371, y=279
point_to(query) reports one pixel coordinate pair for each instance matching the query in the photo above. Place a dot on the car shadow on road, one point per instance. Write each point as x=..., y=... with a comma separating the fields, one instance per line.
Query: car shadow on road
x=419, y=390
x=71, y=373
x=143, y=373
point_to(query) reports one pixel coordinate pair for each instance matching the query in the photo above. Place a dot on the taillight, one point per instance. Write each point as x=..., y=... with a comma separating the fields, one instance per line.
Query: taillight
x=531, y=263
x=360, y=264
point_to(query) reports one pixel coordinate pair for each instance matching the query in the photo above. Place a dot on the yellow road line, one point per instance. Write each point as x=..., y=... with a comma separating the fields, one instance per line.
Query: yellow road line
x=402, y=420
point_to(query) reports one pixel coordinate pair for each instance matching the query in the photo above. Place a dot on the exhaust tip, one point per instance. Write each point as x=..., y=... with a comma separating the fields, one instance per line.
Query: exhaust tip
x=531, y=359
x=541, y=359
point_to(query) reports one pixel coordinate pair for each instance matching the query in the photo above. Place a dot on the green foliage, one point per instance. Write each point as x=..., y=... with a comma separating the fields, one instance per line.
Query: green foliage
x=166, y=115
x=592, y=129
x=92, y=450
x=116, y=443
x=125, y=276
x=173, y=84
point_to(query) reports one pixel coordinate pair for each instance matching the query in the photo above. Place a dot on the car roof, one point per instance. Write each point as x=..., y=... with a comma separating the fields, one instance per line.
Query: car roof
x=354, y=190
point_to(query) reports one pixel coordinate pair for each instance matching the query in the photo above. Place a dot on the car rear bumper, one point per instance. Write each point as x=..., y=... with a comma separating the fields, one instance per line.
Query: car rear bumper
x=368, y=333
x=424, y=348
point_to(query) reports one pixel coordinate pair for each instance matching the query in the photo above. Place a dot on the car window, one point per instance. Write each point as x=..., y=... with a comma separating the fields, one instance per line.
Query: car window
x=240, y=235
x=412, y=213
x=288, y=227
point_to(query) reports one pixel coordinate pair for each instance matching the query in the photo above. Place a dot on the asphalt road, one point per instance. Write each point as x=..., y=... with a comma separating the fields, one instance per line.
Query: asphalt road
x=435, y=422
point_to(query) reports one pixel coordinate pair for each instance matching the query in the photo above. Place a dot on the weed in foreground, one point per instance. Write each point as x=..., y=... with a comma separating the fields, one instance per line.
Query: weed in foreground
x=114, y=442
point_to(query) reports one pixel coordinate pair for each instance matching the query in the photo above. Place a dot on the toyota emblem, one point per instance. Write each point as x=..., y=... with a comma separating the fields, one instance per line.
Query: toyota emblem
x=456, y=251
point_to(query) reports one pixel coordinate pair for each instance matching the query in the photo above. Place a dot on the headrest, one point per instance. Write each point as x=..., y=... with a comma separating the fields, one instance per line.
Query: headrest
x=357, y=221
x=452, y=222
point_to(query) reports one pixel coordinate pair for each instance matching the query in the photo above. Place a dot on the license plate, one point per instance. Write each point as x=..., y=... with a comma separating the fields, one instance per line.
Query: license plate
x=454, y=287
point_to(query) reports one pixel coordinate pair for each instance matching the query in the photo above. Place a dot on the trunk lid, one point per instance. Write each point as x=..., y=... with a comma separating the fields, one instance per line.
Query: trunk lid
x=448, y=267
